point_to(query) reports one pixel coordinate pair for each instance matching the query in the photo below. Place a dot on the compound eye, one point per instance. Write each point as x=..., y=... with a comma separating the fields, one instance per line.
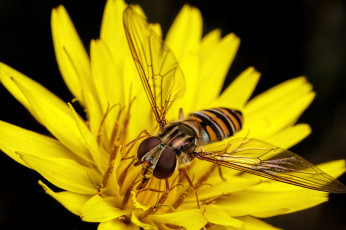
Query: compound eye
x=166, y=164
x=147, y=145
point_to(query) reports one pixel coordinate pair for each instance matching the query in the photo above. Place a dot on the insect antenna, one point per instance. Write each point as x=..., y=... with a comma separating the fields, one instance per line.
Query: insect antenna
x=132, y=143
x=183, y=170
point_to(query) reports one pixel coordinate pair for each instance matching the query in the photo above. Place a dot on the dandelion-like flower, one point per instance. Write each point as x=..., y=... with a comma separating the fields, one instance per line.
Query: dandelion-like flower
x=92, y=159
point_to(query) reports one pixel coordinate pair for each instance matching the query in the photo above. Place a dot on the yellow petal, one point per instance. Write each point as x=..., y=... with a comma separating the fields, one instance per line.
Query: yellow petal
x=105, y=75
x=97, y=209
x=215, y=187
x=71, y=56
x=54, y=115
x=290, y=136
x=238, y=93
x=113, y=36
x=184, y=39
x=185, y=34
x=112, y=187
x=215, y=215
x=214, y=68
x=156, y=27
x=190, y=219
x=220, y=227
x=110, y=86
x=117, y=224
x=209, y=42
x=62, y=172
x=137, y=204
x=251, y=223
x=142, y=118
x=71, y=201
x=96, y=153
x=94, y=112
x=190, y=67
x=6, y=73
x=292, y=197
x=334, y=168
x=277, y=108
x=112, y=28
x=280, y=91
x=74, y=64
x=271, y=198
x=14, y=139
x=136, y=221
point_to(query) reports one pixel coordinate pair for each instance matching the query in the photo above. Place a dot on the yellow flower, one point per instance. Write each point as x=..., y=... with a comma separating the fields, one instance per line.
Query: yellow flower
x=84, y=157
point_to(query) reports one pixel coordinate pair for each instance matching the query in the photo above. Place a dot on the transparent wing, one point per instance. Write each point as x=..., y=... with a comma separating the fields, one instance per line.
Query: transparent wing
x=158, y=69
x=266, y=160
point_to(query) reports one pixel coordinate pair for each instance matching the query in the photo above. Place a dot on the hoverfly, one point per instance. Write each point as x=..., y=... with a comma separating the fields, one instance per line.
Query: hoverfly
x=176, y=144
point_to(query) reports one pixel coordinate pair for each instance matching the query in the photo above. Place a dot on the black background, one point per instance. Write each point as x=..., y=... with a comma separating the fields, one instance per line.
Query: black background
x=281, y=39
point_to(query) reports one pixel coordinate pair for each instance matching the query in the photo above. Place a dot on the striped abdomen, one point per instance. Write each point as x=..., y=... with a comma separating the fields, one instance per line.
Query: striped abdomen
x=217, y=123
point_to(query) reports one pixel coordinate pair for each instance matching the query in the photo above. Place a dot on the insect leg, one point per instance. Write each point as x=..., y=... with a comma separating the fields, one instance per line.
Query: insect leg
x=165, y=194
x=161, y=201
x=183, y=170
x=151, y=190
x=132, y=143
x=156, y=190
x=220, y=173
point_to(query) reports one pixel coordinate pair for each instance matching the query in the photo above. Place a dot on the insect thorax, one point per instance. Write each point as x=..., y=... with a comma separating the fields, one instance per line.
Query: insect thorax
x=179, y=137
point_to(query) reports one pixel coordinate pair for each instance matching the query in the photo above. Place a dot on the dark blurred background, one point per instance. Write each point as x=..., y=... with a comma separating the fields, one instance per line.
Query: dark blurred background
x=281, y=39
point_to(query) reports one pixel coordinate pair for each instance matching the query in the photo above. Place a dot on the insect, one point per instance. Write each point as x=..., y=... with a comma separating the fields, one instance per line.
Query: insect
x=177, y=143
